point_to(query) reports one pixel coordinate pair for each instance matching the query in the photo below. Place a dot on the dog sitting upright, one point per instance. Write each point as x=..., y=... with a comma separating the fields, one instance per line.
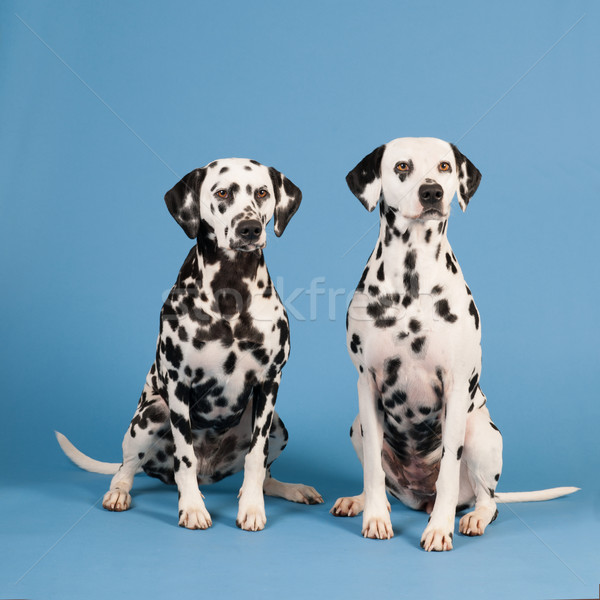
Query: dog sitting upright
x=207, y=408
x=423, y=431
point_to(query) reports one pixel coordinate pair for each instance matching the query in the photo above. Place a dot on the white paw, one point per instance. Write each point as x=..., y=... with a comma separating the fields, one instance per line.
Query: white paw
x=474, y=523
x=348, y=506
x=251, y=518
x=377, y=526
x=304, y=494
x=116, y=500
x=436, y=539
x=196, y=517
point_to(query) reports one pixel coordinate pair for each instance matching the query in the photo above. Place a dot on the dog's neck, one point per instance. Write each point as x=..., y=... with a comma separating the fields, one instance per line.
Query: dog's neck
x=225, y=276
x=413, y=252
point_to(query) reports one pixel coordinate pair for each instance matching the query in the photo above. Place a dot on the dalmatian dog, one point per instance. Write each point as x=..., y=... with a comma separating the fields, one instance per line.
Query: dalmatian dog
x=207, y=408
x=424, y=431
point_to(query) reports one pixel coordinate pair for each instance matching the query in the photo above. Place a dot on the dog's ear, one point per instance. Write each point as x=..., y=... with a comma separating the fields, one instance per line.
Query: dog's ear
x=468, y=178
x=183, y=201
x=287, y=200
x=364, y=180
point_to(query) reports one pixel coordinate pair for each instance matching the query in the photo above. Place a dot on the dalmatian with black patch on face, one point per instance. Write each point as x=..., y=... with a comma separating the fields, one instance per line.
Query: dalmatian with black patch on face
x=207, y=409
x=424, y=431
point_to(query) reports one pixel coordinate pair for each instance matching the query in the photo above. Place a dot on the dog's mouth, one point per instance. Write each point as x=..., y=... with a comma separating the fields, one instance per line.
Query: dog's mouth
x=248, y=247
x=432, y=213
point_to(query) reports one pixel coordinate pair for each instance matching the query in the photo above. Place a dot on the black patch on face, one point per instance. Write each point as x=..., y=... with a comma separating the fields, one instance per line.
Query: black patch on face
x=474, y=313
x=417, y=344
x=223, y=170
x=249, y=189
x=375, y=310
x=443, y=310
x=424, y=410
x=468, y=289
x=459, y=452
x=380, y=273
x=406, y=236
x=427, y=236
x=471, y=407
x=494, y=427
x=402, y=175
x=410, y=260
x=437, y=289
x=406, y=301
x=373, y=290
x=497, y=476
x=248, y=168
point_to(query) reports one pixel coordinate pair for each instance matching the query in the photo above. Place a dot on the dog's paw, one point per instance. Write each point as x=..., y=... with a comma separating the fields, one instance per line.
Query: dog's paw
x=196, y=517
x=436, y=539
x=348, y=506
x=303, y=494
x=116, y=500
x=475, y=522
x=377, y=527
x=252, y=518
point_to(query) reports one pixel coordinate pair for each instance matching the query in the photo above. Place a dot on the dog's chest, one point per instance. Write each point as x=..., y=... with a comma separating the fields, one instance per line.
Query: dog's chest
x=216, y=361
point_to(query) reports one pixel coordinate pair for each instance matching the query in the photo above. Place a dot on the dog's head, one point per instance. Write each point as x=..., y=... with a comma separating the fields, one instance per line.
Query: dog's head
x=415, y=176
x=231, y=200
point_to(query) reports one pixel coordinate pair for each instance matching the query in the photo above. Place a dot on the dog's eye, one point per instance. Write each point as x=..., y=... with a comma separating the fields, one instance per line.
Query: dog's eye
x=402, y=167
x=261, y=193
x=444, y=166
x=222, y=193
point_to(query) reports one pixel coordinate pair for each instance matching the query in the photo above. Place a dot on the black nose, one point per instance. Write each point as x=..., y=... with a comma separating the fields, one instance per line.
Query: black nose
x=249, y=231
x=430, y=193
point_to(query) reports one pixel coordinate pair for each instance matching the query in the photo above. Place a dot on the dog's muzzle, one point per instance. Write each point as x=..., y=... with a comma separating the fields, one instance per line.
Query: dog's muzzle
x=430, y=197
x=249, y=233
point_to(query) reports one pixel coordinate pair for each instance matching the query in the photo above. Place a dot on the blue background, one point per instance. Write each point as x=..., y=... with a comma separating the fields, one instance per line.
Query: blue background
x=104, y=106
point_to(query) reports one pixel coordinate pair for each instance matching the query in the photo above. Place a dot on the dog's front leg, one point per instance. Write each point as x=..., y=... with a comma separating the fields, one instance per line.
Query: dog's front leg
x=439, y=532
x=376, y=515
x=251, y=510
x=192, y=511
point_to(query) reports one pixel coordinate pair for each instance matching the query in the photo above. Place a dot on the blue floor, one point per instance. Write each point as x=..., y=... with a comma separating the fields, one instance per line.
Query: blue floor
x=59, y=543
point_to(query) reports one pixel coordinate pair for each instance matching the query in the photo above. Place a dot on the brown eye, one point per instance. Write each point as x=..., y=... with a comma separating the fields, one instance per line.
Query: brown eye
x=402, y=167
x=261, y=194
x=222, y=193
x=444, y=166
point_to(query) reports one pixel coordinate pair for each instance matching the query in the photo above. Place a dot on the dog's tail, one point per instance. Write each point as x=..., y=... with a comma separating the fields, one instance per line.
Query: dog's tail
x=549, y=494
x=85, y=462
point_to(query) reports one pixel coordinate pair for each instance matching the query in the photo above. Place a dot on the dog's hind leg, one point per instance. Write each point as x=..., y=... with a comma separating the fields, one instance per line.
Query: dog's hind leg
x=149, y=418
x=482, y=461
x=294, y=492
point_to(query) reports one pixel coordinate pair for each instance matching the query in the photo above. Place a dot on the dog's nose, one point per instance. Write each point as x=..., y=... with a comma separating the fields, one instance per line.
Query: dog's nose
x=249, y=231
x=430, y=193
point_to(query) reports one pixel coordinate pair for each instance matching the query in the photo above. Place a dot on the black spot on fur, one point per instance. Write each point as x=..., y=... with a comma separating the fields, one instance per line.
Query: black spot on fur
x=417, y=344
x=459, y=452
x=443, y=310
x=474, y=313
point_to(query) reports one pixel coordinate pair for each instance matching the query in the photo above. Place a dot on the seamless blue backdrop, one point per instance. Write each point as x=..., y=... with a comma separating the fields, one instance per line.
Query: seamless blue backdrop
x=104, y=106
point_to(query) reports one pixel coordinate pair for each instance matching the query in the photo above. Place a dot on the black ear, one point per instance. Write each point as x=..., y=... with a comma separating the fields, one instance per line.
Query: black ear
x=183, y=201
x=287, y=200
x=364, y=180
x=468, y=177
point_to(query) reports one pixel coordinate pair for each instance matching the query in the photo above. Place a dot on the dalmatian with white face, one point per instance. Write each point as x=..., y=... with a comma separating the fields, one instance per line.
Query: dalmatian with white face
x=424, y=431
x=207, y=409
